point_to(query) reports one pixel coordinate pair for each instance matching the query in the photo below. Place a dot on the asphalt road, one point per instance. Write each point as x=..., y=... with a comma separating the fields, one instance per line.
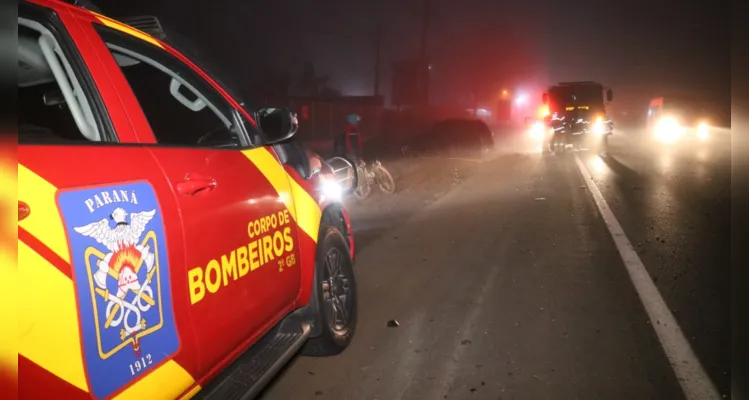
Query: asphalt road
x=506, y=282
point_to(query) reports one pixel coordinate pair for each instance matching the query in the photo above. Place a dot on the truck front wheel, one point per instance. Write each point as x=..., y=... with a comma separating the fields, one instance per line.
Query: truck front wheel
x=336, y=291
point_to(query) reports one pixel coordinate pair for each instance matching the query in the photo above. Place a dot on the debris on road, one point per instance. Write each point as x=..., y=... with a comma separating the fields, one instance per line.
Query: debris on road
x=540, y=198
x=393, y=324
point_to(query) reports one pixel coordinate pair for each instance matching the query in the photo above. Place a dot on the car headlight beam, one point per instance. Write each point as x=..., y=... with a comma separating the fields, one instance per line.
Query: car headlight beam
x=537, y=130
x=599, y=128
x=703, y=131
x=668, y=130
x=331, y=189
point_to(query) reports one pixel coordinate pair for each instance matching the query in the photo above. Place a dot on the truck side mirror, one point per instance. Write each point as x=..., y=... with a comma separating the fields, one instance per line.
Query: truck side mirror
x=276, y=124
x=609, y=95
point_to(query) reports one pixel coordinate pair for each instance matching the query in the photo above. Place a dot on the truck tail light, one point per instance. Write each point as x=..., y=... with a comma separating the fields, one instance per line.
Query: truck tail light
x=544, y=111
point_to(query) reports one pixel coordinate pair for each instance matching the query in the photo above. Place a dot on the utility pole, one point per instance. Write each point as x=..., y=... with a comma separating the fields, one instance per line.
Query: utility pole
x=378, y=42
x=424, y=30
x=423, y=65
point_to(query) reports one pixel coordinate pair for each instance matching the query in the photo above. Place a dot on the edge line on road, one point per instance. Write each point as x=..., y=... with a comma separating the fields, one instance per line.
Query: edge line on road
x=689, y=372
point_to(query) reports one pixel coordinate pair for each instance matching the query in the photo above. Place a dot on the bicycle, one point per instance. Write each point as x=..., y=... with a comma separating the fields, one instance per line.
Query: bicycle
x=370, y=175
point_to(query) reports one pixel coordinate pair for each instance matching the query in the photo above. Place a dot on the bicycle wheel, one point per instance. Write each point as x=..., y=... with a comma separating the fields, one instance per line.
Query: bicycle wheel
x=384, y=180
x=362, y=191
x=364, y=184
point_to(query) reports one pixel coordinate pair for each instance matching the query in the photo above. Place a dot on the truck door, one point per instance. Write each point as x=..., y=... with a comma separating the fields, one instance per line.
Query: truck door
x=235, y=202
x=100, y=251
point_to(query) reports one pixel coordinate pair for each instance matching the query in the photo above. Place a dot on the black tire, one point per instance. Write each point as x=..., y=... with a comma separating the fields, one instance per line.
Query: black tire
x=334, y=337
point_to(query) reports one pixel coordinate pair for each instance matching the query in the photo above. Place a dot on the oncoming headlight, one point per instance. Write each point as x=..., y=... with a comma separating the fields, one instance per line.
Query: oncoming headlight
x=668, y=129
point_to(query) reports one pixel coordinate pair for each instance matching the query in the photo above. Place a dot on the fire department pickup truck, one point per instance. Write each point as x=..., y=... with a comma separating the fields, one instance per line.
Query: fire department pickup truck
x=171, y=244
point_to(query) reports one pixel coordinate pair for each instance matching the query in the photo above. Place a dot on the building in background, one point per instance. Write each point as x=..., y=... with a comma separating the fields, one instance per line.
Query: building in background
x=410, y=86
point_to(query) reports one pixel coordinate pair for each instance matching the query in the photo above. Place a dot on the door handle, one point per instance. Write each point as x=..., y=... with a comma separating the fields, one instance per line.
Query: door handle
x=194, y=183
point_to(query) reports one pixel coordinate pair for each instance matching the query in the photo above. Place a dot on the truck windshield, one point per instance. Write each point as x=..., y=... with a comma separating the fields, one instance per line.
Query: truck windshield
x=576, y=95
x=682, y=106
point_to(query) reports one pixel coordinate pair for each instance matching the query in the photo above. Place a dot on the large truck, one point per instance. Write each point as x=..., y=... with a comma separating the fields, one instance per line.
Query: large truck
x=577, y=116
x=678, y=118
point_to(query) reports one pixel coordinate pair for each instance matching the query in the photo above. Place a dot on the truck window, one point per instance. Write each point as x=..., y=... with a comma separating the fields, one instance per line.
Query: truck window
x=181, y=107
x=57, y=102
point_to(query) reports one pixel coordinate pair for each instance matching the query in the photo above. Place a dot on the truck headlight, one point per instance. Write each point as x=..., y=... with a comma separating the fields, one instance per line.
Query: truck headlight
x=668, y=130
x=599, y=128
x=537, y=130
x=331, y=189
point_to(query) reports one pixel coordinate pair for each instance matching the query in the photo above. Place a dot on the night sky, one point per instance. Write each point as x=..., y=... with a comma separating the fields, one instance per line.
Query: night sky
x=639, y=48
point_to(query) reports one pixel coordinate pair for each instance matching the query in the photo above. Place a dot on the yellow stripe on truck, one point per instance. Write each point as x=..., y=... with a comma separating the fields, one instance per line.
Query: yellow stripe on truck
x=49, y=335
x=189, y=395
x=9, y=312
x=44, y=221
x=48, y=318
x=302, y=207
x=308, y=211
x=127, y=29
x=166, y=382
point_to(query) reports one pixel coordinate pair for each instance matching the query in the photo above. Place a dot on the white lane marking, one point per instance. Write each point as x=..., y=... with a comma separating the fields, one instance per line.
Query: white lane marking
x=692, y=377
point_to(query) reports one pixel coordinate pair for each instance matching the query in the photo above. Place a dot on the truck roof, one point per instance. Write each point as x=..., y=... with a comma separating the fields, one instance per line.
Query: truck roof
x=578, y=83
x=676, y=100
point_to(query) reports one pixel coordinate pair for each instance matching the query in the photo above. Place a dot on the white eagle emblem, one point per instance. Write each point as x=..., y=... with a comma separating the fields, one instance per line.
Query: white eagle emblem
x=123, y=261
